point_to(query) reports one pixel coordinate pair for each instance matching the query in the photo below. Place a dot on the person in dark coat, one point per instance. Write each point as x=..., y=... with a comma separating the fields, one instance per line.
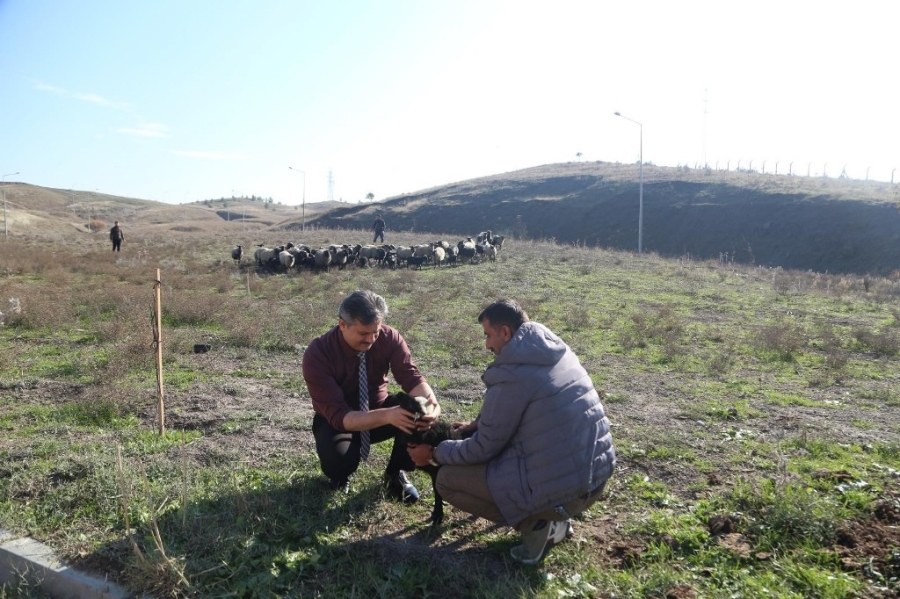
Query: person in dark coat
x=378, y=227
x=117, y=237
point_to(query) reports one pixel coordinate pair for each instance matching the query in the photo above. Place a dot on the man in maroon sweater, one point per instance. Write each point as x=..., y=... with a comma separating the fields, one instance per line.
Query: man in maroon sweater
x=343, y=426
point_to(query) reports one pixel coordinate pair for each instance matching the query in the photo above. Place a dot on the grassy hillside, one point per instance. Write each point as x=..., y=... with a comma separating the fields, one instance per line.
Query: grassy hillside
x=772, y=220
x=795, y=222
x=756, y=417
x=35, y=212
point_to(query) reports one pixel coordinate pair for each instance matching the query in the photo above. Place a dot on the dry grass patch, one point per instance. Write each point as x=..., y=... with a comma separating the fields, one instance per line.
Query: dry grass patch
x=701, y=419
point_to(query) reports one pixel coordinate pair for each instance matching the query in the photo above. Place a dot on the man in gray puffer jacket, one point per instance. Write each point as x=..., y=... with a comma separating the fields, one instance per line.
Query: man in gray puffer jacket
x=540, y=450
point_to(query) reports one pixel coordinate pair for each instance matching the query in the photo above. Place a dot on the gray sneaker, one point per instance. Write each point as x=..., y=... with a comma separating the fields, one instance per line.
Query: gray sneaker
x=539, y=540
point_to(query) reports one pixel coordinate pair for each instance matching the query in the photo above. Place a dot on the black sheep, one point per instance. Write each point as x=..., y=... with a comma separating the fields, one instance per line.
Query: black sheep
x=416, y=261
x=439, y=431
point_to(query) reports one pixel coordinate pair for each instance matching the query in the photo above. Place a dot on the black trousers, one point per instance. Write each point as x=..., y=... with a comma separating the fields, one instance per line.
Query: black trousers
x=117, y=245
x=377, y=235
x=339, y=451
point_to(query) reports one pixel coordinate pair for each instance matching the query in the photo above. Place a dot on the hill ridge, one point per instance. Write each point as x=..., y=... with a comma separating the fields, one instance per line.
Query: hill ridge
x=824, y=225
x=789, y=221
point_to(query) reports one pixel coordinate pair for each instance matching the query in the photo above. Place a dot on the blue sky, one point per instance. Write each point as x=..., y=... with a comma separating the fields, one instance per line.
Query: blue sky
x=195, y=99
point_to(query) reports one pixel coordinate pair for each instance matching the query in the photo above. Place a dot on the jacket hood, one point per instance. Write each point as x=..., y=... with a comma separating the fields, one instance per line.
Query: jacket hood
x=532, y=344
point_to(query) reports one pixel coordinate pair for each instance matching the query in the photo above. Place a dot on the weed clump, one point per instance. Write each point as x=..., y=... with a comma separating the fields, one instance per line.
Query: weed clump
x=783, y=339
x=882, y=343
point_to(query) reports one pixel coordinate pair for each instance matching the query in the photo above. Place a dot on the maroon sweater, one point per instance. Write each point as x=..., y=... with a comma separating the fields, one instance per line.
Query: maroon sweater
x=331, y=371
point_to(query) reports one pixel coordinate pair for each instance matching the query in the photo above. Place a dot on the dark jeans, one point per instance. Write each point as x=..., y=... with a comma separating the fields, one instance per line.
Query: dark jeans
x=339, y=451
x=117, y=245
x=377, y=235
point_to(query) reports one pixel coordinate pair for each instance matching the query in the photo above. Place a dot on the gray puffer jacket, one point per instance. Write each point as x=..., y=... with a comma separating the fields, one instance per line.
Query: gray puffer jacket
x=542, y=429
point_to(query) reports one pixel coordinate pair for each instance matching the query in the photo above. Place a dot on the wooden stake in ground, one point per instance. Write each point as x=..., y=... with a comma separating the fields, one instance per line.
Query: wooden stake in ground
x=157, y=342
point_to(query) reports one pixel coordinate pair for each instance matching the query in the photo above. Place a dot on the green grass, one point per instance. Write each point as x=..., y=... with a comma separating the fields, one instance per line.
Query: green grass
x=732, y=392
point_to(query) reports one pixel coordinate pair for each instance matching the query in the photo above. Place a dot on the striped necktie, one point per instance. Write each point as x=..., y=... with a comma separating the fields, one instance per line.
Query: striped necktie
x=363, y=405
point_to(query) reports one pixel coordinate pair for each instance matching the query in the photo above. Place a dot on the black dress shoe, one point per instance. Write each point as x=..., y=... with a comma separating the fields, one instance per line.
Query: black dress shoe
x=340, y=484
x=399, y=486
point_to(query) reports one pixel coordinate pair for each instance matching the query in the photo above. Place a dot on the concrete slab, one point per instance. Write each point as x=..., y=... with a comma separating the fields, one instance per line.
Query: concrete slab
x=24, y=561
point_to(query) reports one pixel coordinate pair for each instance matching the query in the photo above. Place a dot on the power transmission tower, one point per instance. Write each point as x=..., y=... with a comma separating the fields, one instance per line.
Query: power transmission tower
x=330, y=186
x=705, y=115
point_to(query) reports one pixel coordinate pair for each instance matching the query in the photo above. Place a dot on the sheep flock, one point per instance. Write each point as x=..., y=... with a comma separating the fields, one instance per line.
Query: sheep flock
x=485, y=246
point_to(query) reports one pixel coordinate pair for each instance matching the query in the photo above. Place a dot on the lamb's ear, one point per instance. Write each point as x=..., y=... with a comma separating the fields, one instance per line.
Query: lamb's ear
x=404, y=400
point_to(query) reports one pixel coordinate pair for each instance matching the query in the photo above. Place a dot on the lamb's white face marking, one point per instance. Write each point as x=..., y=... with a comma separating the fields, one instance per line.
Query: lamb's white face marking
x=423, y=403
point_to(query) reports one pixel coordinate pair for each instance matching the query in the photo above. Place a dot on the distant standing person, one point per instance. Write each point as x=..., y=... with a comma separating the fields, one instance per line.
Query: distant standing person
x=378, y=226
x=117, y=237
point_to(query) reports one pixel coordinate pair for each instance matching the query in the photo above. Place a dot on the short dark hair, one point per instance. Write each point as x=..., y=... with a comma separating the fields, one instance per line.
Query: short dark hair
x=504, y=312
x=364, y=307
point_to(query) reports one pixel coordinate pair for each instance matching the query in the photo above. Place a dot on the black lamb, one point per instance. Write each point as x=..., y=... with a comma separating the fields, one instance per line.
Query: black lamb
x=439, y=431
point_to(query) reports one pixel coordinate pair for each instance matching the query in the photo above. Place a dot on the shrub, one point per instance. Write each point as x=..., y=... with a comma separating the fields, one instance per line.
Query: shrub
x=721, y=362
x=883, y=343
x=783, y=338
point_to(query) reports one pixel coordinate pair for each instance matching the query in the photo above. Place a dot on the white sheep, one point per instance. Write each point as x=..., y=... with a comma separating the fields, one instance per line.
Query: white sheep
x=372, y=252
x=264, y=255
x=286, y=259
x=438, y=255
x=322, y=258
x=404, y=253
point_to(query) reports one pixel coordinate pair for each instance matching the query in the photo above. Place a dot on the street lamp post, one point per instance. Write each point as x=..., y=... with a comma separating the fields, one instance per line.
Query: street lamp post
x=303, y=209
x=3, y=184
x=641, y=187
